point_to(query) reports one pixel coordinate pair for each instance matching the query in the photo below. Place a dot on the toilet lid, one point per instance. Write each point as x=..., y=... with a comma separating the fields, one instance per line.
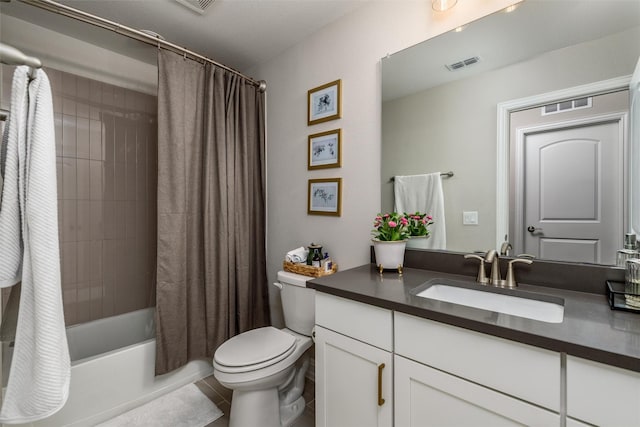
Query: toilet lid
x=254, y=347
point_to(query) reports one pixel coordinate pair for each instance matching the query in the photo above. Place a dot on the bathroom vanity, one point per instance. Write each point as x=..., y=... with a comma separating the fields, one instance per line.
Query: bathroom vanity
x=385, y=356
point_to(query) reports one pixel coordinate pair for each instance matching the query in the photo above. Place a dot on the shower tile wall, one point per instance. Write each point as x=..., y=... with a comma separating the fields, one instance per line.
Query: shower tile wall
x=107, y=175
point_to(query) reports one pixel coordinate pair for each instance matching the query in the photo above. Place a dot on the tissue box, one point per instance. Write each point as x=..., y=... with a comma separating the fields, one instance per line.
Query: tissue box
x=308, y=270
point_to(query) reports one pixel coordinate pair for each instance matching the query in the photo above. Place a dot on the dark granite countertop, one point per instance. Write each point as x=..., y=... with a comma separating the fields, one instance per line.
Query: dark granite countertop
x=590, y=329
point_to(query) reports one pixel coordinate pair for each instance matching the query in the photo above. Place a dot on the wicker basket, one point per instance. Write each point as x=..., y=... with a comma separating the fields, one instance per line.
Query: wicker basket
x=308, y=270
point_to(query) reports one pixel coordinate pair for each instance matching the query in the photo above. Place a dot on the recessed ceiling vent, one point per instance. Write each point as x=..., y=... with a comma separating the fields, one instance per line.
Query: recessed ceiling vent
x=197, y=6
x=463, y=64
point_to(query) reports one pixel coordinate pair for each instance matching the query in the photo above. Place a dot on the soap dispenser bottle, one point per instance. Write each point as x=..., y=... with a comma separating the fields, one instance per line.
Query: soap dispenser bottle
x=630, y=250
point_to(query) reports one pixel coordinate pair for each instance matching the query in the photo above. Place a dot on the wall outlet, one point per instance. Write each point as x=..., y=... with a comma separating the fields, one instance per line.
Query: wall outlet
x=470, y=218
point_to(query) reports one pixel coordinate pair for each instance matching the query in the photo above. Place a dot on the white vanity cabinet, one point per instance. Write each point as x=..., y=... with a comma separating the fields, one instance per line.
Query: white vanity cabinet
x=445, y=375
x=602, y=395
x=354, y=364
x=428, y=397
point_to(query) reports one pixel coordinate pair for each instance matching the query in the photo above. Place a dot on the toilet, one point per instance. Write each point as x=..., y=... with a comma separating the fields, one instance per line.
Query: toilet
x=266, y=367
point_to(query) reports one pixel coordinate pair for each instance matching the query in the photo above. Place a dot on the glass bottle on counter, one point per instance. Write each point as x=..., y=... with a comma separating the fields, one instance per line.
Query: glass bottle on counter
x=630, y=250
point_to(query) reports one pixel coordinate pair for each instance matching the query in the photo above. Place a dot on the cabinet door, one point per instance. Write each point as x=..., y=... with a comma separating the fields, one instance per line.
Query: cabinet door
x=353, y=382
x=427, y=397
x=602, y=395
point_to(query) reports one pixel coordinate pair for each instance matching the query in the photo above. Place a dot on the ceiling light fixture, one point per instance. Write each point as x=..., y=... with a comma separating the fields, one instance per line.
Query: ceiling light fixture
x=442, y=5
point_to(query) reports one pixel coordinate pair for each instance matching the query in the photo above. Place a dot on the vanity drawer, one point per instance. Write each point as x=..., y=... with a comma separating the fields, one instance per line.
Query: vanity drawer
x=373, y=325
x=520, y=370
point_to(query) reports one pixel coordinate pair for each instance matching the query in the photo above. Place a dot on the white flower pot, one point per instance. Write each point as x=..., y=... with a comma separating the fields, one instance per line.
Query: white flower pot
x=417, y=242
x=389, y=255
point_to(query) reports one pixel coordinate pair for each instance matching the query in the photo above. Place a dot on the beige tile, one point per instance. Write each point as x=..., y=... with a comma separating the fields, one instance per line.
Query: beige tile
x=95, y=91
x=130, y=178
x=96, y=299
x=96, y=227
x=120, y=219
x=83, y=180
x=83, y=303
x=96, y=176
x=120, y=139
x=109, y=220
x=59, y=169
x=69, y=298
x=68, y=105
x=108, y=181
x=68, y=264
x=68, y=135
x=107, y=94
x=95, y=140
x=69, y=223
x=83, y=257
x=82, y=88
x=57, y=121
x=69, y=178
x=118, y=97
x=82, y=138
x=95, y=261
x=108, y=260
x=120, y=179
x=108, y=138
x=84, y=220
x=69, y=84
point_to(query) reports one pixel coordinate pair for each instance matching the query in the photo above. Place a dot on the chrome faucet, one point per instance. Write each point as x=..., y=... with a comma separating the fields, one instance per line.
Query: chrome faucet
x=505, y=248
x=493, y=258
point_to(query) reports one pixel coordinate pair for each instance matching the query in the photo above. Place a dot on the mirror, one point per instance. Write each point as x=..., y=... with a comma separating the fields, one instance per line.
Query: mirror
x=438, y=120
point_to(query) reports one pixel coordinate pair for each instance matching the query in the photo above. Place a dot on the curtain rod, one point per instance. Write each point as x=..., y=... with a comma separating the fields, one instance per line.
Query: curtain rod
x=11, y=56
x=98, y=21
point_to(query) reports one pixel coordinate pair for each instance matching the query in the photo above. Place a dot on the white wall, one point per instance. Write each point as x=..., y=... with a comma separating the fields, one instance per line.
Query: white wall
x=349, y=49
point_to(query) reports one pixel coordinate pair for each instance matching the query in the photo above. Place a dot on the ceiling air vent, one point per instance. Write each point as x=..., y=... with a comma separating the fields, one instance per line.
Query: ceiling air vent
x=462, y=64
x=197, y=6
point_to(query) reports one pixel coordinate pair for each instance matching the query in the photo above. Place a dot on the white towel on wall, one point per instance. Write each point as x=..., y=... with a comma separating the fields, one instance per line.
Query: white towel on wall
x=40, y=370
x=13, y=140
x=423, y=193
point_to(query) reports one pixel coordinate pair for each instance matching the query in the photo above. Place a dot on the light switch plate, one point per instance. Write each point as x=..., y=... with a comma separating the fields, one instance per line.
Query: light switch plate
x=470, y=218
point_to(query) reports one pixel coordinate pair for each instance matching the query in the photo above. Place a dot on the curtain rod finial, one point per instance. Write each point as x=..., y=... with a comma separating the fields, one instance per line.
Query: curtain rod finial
x=262, y=87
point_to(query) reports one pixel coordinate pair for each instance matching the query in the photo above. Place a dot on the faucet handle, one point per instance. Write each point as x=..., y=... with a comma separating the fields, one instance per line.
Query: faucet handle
x=510, y=280
x=482, y=274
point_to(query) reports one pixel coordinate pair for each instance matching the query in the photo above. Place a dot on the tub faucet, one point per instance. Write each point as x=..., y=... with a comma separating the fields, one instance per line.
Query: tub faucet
x=493, y=258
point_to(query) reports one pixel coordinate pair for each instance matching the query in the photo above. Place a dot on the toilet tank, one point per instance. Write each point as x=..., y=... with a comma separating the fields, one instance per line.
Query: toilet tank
x=298, y=302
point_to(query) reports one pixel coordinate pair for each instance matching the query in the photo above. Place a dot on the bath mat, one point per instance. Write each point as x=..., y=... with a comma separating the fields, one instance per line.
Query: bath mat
x=184, y=407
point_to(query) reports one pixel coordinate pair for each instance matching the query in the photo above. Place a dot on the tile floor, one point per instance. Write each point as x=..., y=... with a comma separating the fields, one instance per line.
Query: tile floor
x=221, y=396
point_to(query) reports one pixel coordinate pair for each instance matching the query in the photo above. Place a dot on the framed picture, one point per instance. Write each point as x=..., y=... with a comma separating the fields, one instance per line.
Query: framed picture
x=325, y=197
x=324, y=103
x=325, y=150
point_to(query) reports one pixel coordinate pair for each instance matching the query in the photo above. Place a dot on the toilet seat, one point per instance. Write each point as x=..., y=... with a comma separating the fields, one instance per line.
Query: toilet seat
x=253, y=350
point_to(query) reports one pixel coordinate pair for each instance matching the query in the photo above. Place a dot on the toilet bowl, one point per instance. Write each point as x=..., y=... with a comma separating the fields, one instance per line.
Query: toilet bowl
x=266, y=367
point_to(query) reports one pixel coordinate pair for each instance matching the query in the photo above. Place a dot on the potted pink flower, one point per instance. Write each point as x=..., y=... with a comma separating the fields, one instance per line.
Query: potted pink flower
x=390, y=235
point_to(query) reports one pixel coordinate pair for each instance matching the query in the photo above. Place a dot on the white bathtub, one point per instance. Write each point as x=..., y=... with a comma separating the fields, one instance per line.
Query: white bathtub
x=112, y=369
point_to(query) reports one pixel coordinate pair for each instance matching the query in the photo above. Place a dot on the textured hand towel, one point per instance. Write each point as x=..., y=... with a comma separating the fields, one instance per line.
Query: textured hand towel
x=423, y=193
x=40, y=371
x=13, y=141
x=297, y=255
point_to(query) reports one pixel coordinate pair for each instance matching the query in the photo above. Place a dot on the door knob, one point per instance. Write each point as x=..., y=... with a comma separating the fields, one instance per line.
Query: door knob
x=532, y=229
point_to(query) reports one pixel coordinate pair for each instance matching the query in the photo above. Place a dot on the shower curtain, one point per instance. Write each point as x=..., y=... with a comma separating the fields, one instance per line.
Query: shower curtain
x=211, y=272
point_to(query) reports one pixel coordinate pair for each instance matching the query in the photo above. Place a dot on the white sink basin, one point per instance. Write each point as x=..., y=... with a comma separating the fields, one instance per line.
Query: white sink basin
x=513, y=305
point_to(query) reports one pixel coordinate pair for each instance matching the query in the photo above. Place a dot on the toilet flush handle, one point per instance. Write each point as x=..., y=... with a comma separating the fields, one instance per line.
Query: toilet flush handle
x=277, y=285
